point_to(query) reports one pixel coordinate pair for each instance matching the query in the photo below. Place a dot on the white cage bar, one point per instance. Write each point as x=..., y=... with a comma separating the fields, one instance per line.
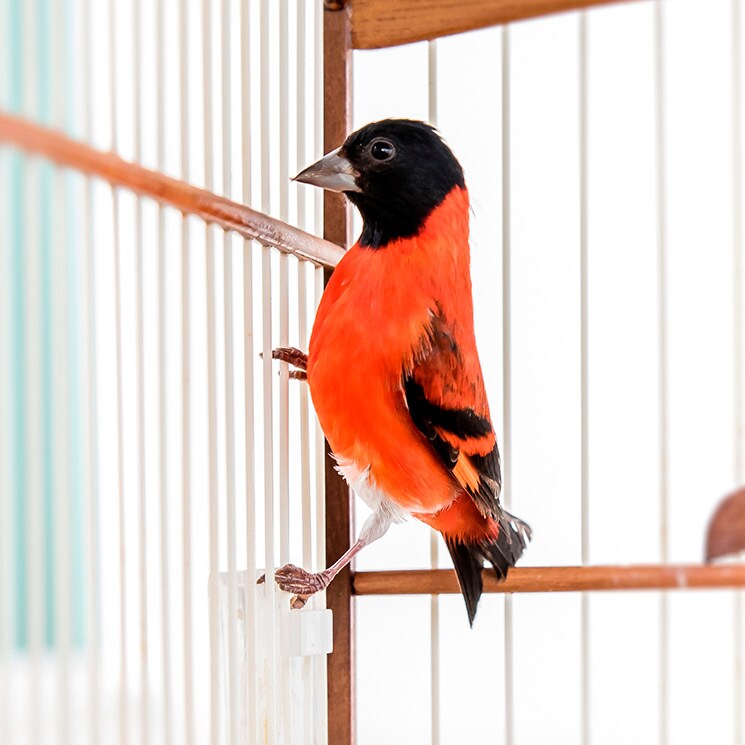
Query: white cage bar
x=193, y=650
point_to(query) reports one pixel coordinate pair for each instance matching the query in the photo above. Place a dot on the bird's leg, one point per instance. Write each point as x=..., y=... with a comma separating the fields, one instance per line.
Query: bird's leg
x=304, y=584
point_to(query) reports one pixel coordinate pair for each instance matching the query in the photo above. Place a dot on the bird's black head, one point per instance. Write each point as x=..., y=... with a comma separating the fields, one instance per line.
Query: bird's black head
x=395, y=171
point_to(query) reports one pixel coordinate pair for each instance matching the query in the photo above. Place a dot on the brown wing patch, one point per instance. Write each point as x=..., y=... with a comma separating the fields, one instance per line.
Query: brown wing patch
x=446, y=399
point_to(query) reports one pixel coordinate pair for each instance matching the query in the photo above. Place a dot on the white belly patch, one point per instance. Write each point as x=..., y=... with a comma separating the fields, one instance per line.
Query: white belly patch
x=361, y=483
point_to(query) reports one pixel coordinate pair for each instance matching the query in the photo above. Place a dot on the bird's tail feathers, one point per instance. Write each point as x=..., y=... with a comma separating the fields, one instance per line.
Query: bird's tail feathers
x=501, y=552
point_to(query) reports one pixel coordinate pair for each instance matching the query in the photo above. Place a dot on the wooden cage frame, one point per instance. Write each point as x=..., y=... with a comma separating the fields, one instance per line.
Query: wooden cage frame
x=350, y=25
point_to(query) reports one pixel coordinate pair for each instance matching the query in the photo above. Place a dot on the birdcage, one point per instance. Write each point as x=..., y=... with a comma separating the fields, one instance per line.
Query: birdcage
x=155, y=461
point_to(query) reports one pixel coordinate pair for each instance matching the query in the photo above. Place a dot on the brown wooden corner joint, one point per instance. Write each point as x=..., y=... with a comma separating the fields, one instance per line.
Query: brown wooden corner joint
x=558, y=579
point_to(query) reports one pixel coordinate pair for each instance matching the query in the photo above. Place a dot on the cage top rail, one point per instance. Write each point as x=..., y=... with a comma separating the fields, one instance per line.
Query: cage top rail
x=388, y=23
x=557, y=579
x=184, y=197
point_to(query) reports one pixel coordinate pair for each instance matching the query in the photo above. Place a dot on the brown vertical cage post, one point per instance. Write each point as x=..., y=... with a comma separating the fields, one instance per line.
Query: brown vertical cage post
x=337, y=97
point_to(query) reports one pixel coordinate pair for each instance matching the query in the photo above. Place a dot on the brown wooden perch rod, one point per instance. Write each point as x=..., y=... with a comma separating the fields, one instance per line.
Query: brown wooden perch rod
x=558, y=579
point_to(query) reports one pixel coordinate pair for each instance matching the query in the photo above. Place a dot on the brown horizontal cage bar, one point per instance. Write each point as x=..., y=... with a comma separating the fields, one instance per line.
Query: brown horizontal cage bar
x=388, y=23
x=184, y=197
x=557, y=579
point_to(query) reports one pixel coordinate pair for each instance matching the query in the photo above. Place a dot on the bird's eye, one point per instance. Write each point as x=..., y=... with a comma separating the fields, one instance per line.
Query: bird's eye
x=382, y=150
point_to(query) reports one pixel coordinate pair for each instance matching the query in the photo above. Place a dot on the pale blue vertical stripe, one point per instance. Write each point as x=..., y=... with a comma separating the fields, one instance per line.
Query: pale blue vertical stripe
x=6, y=531
x=18, y=332
x=47, y=361
x=74, y=271
x=11, y=40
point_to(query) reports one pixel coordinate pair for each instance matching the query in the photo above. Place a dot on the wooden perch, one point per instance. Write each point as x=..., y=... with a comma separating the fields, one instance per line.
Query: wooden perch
x=186, y=198
x=557, y=579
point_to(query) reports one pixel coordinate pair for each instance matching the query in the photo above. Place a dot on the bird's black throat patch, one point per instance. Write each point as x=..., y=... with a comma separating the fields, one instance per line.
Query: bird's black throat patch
x=397, y=196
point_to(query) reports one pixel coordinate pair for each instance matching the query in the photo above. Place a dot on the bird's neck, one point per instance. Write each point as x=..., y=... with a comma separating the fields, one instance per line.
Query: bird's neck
x=385, y=223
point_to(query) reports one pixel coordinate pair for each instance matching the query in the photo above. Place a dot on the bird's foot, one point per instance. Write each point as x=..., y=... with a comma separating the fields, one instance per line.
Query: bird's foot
x=300, y=582
x=291, y=356
x=290, y=577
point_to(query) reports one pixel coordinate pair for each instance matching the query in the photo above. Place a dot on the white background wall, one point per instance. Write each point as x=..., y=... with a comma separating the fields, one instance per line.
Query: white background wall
x=628, y=686
x=626, y=683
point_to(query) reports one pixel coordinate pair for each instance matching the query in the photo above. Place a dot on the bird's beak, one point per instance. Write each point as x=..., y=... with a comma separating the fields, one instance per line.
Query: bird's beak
x=333, y=172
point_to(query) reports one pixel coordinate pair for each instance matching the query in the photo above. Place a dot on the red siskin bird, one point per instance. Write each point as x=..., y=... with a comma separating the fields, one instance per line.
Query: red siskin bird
x=410, y=426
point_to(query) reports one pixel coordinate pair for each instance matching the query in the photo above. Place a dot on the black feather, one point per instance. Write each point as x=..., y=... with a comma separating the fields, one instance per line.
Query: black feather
x=502, y=554
x=468, y=564
x=399, y=194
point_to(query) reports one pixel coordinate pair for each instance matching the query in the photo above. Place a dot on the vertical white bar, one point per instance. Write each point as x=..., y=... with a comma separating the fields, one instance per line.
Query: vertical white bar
x=251, y=527
x=160, y=44
x=737, y=242
x=60, y=413
x=661, y=185
x=284, y=109
x=4, y=398
x=33, y=409
x=306, y=508
x=509, y=714
x=250, y=416
x=230, y=475
x=186, y=557
x=35, y=545
x=271, y=677
x=738, y=353
x=309, y=663
x=584, y=369
x=318, y=281
x=90, y=391
x=213, y=526
x=61, y=457
x=321, y=679
x=138, y=83
x=123, y=673
x=301, y=111
x=266, y=343
x=434, y=600
x=284, y=334
x=227, y=157
x=251, y=671
x=211, y=374
x=265, y=118
x=284, y=458
x=318, y=121
x=284, y=313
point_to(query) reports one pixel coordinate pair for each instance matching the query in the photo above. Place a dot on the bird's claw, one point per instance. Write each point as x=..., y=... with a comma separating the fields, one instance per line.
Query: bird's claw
x=291, y=356
x=300, y=582
x=290, y=577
